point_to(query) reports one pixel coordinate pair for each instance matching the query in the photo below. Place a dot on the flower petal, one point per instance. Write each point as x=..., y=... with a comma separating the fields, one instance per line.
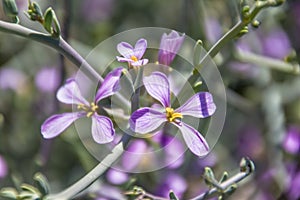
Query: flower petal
x=56, y=124
x=199, y=105
x=194, y=140
x=169, y=47
x=110, y=84
x=70, y=93
x=140, y=48
x=122, y=59
x=157, y=85
x=102, y=129
x=139, y=62
x=125, y=49
x=146, y=120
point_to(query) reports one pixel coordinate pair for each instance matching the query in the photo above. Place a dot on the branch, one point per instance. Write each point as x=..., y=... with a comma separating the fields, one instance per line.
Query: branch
x=264, y=61
x=93, y=175
x=56, y=43
x=246, y=168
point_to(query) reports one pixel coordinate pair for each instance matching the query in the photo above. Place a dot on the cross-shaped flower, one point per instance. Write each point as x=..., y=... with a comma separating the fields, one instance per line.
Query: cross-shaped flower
x=133, y=55
x=146, y=119
x=102, y=127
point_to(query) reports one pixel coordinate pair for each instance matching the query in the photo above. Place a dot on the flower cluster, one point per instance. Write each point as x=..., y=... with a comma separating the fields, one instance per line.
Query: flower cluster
x=144, y=120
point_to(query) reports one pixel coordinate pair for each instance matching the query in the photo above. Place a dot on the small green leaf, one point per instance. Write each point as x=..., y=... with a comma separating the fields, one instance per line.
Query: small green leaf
x=48, y=18
x=246, y=165
x=11, y=193
x=28, y=196
x=172, y=196
x=29, y=188
x=197, y=53
x=11, y=10
x=224, y=177
x=42, y=183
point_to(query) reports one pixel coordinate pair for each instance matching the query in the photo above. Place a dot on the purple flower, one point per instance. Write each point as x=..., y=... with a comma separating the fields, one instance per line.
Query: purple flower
x=102, y=127
x=139, y=153
x=116, y=177
x=133, y=55
x=291, y=142
x=97, y=10
x=147, y=119
x=3, y=168
x=51, y=75
x=172, y=181
x=169, y=47
x=13, y=79
x=276, y=44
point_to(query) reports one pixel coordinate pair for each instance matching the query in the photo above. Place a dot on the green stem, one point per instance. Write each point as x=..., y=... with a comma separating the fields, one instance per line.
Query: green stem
x=264, y=61
x=93, y=175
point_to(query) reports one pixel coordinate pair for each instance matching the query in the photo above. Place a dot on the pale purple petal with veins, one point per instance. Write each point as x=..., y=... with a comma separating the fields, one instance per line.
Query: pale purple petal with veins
x=122, y=59
x=140, y=48
x=140, y=62
x=194, y=140
x=146, y=120
x=199, y=105
x=169, y=47
x=70, y=93
x=110, y=85
x=157, y=85
x=125, y=49
x=56, y=124
x=102, y=129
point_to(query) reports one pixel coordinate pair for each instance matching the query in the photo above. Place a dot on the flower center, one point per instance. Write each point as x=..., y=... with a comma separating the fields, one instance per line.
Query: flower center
x=90, y=110
x=134, y=58
x=171, y=115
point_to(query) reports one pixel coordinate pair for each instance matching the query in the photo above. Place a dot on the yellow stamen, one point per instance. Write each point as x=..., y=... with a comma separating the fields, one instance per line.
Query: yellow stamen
x=90, y=110
x=134, y=58
x=171, y=115
x=89, y=114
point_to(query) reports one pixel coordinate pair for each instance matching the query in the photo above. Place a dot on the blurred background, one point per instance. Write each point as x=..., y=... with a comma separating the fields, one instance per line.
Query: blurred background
x=263, y=113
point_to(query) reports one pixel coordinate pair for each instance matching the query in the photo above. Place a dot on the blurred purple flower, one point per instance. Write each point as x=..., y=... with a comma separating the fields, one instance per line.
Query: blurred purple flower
x=172, y=147
x=12, y=79
x=172, y=181
x=133, y=55
x=138, y=150
x=108, y=192
x=47, y=79
x=3, y=168
x=134, y=154
x=97, y=10
x=213, y=30
x=276, y=44
x=169, y=47
x=116, y=177
x=250, y=143
x=293, y=185
x=209, y=161
x=102, y=127
x=146, y=120
x=291, y=142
